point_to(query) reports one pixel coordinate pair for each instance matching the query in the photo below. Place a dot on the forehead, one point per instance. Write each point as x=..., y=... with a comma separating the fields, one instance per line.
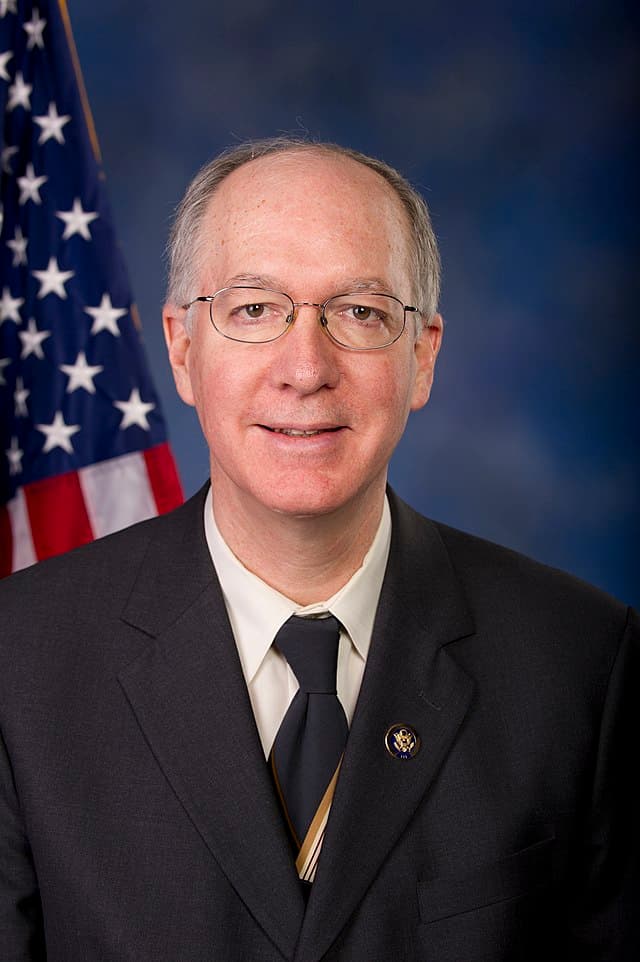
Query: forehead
x=307, y=207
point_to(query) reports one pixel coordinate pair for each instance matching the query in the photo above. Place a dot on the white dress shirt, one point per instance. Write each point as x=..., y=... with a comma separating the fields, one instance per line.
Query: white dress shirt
x=257, y=612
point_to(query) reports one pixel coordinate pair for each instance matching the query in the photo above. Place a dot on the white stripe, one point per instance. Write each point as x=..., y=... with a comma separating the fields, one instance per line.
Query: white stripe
x=24, y=553
x=307, y=871
x=310, y=871
x=117, y=493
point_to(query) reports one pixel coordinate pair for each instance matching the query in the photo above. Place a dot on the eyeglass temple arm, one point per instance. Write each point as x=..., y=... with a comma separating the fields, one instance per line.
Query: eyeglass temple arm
x=207, y=298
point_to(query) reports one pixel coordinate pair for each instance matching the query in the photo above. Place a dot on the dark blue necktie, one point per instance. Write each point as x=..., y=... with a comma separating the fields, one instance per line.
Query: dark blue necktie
x=311, y=739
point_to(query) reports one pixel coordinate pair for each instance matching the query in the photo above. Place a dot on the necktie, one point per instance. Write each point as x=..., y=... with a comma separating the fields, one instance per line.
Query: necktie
x=308, y=748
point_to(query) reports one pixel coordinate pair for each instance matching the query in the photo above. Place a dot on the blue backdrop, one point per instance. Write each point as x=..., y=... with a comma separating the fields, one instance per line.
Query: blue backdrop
x=517, y=121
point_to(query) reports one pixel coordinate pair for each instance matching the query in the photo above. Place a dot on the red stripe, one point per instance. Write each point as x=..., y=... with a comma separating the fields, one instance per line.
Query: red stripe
x=6, y=542
x=163, y=478
x=57, y=515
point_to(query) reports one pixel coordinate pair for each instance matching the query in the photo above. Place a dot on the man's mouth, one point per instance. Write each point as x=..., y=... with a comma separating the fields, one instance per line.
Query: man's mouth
x=300, y=432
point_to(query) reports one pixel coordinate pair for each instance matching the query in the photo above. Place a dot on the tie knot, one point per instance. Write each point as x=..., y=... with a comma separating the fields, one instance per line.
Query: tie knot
x=310, y=645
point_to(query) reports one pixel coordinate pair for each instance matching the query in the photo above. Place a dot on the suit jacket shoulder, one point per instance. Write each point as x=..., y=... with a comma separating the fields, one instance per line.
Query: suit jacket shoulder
x=506, y=593
x=97, y=577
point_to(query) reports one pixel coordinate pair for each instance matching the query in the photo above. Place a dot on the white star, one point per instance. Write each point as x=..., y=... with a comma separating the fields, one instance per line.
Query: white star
x=30, y=186
x=32, y=340
x=105, y=316
x=4, y=60
x=14, y=454
x=51, y=124
x=9, y=307
x=58, y=434
x=20, y=396
x=7, y=154
x=19, y=247
x=52, y=280
x=34, y=28
x=4, y=362
x=134, y=411
x=19, y=93
x=7, y=6
x=76, y=220
x=81, y=374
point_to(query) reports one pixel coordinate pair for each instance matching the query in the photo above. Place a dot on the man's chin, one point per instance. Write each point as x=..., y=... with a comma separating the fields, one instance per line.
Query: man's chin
x=326, y=502
x=305, y=508
x=310, y=496
x=312, y=499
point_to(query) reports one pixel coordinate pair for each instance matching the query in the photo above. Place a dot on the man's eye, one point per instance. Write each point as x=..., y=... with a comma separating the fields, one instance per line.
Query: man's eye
x=251, y=312
x=364, y=314
x=254, y=311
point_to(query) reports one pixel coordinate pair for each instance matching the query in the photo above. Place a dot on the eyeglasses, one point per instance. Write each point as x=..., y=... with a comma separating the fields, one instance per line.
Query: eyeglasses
x=359, y=321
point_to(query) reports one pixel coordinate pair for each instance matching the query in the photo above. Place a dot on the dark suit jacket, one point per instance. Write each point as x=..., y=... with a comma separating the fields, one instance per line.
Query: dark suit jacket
x=138, y=821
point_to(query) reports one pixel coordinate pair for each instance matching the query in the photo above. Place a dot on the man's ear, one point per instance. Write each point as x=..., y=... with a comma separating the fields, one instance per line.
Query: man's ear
x=427, y=346
x=178, y=343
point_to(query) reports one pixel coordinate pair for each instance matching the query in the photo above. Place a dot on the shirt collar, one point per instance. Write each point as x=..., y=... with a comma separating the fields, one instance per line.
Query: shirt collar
x=257, y=611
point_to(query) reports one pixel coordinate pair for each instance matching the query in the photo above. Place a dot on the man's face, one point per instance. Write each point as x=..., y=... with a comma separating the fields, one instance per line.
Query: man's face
x=310, y=225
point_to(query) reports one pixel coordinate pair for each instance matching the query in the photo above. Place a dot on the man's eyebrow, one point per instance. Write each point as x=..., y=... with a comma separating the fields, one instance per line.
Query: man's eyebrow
x=365, y=284
x=253, y=280
x=348, y=286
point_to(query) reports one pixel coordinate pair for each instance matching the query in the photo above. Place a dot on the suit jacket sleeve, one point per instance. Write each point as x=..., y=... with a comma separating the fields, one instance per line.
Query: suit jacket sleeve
x=606, y=895
x=21, y=929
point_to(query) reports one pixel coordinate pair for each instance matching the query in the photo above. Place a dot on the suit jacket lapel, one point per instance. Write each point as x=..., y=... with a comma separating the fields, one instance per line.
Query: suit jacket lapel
x=410, y=678
x=189, y=696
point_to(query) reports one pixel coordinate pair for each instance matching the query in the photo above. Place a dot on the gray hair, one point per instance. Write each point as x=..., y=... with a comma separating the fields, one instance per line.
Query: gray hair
x=185, y=243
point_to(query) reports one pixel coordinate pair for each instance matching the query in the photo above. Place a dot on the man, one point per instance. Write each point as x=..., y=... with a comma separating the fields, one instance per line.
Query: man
x=173, y=786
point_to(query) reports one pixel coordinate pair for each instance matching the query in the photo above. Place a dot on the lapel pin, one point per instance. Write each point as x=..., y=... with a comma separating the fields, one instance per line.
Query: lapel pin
x=402, y=742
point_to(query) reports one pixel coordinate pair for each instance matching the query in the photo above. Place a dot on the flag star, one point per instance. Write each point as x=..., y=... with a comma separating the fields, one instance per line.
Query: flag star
x=76, y=220
x=134, y=411
x=4, y=362
x=105, y=316
x=34, y=28
x=81, y=374
x=20, y=396
x=7, y=154
x=9, y=307
x=4, y=60
x=14, y=454
x=30, y=186
x=19, y=93
x=58, y=434
x=51, y=124
x=7, y=6
x=52, y=280
x=32, y=340
x=19, y=247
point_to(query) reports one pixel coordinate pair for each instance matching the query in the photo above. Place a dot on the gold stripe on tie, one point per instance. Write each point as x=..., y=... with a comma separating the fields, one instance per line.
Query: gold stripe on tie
x=307, y=860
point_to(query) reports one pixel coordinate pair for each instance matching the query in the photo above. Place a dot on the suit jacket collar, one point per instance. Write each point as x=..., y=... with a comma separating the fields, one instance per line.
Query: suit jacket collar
x=189, y=696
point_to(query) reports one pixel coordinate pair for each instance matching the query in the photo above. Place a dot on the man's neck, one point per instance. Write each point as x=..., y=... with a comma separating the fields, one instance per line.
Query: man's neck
x=307, y=559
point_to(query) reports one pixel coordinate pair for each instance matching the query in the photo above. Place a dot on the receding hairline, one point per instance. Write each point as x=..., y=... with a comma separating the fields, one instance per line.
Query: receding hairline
x=331, y=152
x=280, y=159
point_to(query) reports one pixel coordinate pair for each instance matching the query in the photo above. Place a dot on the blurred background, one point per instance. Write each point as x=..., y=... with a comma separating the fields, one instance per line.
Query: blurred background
x=518, y=123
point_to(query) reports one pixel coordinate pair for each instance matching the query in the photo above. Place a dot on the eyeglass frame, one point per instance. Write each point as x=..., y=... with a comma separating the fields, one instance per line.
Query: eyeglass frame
x=291, y=318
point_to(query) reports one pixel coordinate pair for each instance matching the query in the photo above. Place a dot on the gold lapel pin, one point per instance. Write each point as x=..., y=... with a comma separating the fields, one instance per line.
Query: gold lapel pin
x=402, y=742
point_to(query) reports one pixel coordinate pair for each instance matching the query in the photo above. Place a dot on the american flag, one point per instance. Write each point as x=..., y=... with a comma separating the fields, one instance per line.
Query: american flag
x=83, y=447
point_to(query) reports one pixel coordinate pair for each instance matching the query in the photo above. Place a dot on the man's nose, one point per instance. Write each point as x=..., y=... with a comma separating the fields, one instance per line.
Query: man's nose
x=306, y=359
